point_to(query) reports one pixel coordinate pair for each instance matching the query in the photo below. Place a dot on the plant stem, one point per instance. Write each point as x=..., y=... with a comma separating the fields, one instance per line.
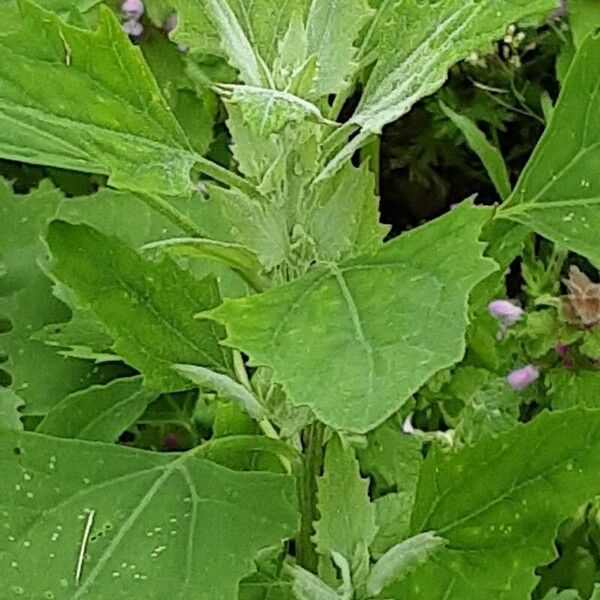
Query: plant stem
x=170, y=212
x=306, y=555
x=227, y=177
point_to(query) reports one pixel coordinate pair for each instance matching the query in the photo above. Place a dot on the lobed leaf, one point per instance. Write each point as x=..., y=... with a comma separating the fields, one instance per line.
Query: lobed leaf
x=499, y=503
x=147, y=308
x=558, y=194
x=100, y=110
x=161, y=524
x=375, y=349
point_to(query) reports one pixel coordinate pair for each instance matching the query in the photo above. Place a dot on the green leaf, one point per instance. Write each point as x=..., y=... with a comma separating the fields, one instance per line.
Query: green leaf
x=499, y=503
x=158, y=520
x=9, y=9
x=351, y=379
x=225, y=386
x=392, y=458
x=231, y=216
x=332, y=29
x=39, y=374
x=309, y=587
x=392, y=517
x=234, y=42
x=568, y=389
x=346, y=221
x=591, y=344
x=148, y=308
x=10, y=405
x=194, y=107
x=99, y=413
x=100, y=110
x=584, y=19
x=402, y=559
x=418, y=43
x=347, y=522
x=235, y=256
x=490, y=155
x=267, y=111
x=558, y=195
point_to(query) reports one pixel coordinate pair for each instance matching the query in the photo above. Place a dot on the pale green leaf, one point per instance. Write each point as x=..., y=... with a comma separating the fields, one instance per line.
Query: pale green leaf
x=558, y=194
x=10, y=405
x=100, y=110
x=345, y=222
x=490, y=155
x=147, y=308
x=402, y=559
x=554, y=594
x=235, y=256
x=225, y=386
x=347, y=518
x=161, y=524
x=235, y=44
x=267, y=111
x=231, y=216
x=309, y=587
x=418, y=43
x=422, y=40
x=98, y=413
x=352, y=378
x=332, y=30
x=499, y=503
x=9, y=9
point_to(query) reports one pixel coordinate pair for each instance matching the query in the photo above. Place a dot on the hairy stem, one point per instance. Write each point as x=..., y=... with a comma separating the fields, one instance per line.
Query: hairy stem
x=227, y=177
x=170, y=212
x=306, y=554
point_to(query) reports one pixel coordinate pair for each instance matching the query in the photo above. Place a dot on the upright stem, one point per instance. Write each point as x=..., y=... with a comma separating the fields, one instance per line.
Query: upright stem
x=227, y=177
x=306, y=554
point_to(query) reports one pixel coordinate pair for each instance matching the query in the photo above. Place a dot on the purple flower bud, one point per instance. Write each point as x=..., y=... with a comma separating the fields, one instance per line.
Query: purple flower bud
x=171, y=23
x=561, y=349
x=133, y=9
x=523, y=377
x=133, y=28
x=506, y=311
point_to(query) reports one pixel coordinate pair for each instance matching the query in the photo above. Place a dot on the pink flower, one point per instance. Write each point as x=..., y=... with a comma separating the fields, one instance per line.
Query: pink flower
x=504, y=310
x=133, y=28
x=523, y=377
x=133, y=9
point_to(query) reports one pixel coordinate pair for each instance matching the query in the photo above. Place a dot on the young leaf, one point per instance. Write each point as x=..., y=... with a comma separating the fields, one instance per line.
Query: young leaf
x=235, y=256
x=267, y=111
x=378, y=322
x=99, y=413
x=402, y=559
x=569, y=389
x=332, y=29
x=499, y=502
x=161, y=524
x=419, y=42
x=10, y=403
x=148, y=308
x=558, y=194
x=225, y=386
x=347, y=522
x=490, y=155
x=309, y=587
x=100, y=110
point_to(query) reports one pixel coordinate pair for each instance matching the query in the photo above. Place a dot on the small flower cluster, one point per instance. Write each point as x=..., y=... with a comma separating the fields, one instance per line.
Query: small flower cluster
x=133, y=11
x=508, y=314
